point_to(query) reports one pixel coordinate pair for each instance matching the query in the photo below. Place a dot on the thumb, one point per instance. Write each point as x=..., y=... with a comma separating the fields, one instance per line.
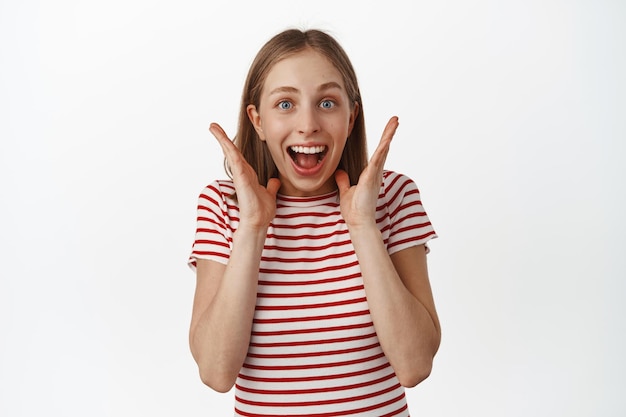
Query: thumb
x=343, y=181
x=273, y=185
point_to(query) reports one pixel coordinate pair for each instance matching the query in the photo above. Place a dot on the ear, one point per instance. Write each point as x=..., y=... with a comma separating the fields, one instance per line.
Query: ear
x=255, y=118
x=353, y=115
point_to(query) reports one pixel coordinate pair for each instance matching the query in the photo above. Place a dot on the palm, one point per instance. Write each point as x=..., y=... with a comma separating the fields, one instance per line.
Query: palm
x=257, y=204
x=358, y=202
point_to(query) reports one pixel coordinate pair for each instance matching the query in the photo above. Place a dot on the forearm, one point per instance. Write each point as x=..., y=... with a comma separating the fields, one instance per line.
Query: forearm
x=408, y=333
x=221, y=335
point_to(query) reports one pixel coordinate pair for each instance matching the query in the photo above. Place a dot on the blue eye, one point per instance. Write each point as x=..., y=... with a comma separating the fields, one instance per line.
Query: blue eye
x=327, y=104
x=284, y=105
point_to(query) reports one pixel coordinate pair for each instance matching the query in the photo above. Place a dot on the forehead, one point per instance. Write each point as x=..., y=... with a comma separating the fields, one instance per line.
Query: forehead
x=304, y=69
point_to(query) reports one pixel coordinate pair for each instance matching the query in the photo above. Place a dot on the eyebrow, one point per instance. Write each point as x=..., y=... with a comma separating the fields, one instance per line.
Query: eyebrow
x=323, y=87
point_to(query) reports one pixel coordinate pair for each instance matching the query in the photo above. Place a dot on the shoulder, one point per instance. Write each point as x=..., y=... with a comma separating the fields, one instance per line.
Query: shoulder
x=218, y=190
x=218, y=197
x=409, y=224
x=396, y=184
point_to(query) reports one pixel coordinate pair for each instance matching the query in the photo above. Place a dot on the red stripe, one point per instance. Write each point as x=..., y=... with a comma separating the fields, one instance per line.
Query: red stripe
x=313, y=354
x=316, y=330
x=310, y=294
x=411, y=214
x=314, y=365
x=212, y=242
x=396, y=412
x=209, y=199
x=393, y=180
x=310, y=214
x=309, y=237
x=288, y=199
x=308, y=259
x=307, y=306
x=325, y=377
x=306, y=271
x=312, y=318
x=313, y=342
x=295, y=212
x=213, y=222
x=201, y=253
x=410, y=228
x=412, y=239
x=223, y=184
x=307, y=248
x=392, y=198
x=317, y=390
x=310, y=282
x=328, y=402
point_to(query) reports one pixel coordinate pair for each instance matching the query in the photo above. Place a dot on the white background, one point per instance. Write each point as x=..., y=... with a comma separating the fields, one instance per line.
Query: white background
x=512, y=122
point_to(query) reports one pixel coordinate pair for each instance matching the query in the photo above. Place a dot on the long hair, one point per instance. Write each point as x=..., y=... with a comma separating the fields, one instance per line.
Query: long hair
x=281, y=46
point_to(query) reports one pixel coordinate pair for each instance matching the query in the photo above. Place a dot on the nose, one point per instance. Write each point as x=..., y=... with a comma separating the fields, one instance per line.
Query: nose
x=308, y=122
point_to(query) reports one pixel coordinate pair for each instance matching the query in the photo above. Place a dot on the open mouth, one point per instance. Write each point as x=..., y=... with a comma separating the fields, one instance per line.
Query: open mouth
x=307, y=157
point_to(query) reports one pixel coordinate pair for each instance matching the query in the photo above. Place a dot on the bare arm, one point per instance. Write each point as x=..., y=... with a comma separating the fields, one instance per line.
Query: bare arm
x=223, y=309
x=225, y=296
x=401, y=304
x=397, y=287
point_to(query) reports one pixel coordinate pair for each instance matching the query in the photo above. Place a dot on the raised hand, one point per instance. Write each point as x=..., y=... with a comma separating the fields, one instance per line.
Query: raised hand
x=257, y=204
x=358, y=202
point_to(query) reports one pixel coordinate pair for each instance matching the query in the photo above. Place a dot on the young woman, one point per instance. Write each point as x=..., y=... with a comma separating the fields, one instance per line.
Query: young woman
x=312, y=294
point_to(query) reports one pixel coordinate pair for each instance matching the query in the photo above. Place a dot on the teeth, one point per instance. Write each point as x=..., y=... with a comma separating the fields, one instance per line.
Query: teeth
x=308, y=149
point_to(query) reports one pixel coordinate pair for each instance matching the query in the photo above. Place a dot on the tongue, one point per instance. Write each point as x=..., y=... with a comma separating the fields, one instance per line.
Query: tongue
x=306, y=160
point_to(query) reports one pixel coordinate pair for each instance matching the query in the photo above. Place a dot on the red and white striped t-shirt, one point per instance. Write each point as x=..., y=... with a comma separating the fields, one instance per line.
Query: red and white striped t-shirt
x=314, y=351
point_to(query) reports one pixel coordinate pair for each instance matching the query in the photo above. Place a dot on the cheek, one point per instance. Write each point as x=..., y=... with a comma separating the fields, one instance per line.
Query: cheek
x=271, y=127
x=275, y=149
x=337, y=124
x=342, y=127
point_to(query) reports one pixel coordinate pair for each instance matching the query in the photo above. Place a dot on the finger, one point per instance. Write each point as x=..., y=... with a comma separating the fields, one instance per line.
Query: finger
x=217, y=131
x=273, y=185
x=382, y=150
x=390, y=128
x=343, y=181
x=220, y=135
x=229, y=149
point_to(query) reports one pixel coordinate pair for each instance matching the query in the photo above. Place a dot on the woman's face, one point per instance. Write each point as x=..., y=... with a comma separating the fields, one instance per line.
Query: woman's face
x=305, y=117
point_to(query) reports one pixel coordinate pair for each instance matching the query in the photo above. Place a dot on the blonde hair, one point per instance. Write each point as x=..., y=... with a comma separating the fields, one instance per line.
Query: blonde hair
x=281, y=46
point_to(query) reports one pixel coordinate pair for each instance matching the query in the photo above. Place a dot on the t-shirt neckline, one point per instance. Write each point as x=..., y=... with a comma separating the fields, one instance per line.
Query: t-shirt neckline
x=309, y=201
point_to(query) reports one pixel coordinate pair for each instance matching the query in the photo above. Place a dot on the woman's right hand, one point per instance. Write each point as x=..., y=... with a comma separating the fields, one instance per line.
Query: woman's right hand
x=257, y=204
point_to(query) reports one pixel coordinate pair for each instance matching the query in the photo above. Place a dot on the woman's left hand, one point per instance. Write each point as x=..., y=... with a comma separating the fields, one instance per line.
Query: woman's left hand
x=358, y=202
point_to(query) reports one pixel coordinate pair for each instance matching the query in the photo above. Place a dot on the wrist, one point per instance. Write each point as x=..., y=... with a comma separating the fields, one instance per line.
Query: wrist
x=366, y=229
x=251, y=231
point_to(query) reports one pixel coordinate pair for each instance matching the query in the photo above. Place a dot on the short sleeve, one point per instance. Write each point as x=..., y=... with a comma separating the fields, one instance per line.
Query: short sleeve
x=409, y=223
x=213, y=233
